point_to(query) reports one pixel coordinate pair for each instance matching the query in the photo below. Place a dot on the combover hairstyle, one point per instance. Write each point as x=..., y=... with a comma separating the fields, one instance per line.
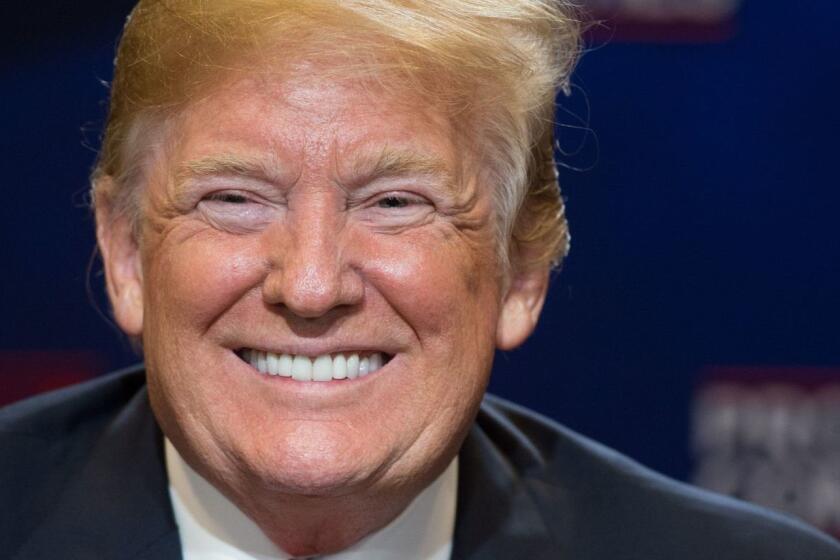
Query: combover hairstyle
x=494, y=65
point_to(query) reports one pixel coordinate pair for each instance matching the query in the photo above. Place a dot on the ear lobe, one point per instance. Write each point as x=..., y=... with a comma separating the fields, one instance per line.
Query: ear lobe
x=521, y=308
x=121, y=261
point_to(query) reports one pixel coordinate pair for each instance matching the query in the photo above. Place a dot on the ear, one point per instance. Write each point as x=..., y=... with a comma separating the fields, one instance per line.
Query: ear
x=121, y=260
x=521, y=308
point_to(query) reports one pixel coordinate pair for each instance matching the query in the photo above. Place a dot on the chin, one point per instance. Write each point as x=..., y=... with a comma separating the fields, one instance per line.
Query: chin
x=324, y=463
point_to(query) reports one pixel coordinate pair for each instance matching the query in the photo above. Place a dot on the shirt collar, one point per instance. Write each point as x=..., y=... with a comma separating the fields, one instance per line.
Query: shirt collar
x=211, y=527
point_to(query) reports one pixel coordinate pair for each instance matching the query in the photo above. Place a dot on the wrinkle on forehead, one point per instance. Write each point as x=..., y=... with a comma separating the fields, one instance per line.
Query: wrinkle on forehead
x=315, y=101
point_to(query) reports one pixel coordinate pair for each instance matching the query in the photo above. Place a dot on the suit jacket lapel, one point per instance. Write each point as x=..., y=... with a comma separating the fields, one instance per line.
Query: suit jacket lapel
x=497, y=517
x=117, y=507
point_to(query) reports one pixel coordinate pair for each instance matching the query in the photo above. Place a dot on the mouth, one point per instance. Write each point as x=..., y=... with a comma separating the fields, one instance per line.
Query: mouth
x=325, y=367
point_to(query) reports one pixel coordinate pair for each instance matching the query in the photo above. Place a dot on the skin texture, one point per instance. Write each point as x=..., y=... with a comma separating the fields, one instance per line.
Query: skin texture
x=293, y=214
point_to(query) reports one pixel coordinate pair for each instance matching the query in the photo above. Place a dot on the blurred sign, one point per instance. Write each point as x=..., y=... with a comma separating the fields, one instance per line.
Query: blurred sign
x=771, y=436
x=27, y=373
x=663, y=20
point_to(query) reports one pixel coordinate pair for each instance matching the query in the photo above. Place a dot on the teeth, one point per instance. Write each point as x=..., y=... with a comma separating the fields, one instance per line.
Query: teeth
x=320, y=368
x=273, y=363
x=353, y=366
x=284, y=365
x=339, y=367
x=252, y=357
x=301, y=369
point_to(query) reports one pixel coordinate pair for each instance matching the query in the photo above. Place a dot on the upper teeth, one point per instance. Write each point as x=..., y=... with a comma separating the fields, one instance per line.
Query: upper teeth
x=320, y=368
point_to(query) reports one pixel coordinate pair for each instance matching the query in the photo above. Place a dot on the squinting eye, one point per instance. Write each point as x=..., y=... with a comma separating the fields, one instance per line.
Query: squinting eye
x=396, y=209
x=393, y=202
x=236, y=211
x=231, y=198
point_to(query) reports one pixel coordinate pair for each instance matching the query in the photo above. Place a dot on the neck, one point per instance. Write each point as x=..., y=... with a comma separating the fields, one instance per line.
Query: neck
x=321, y=525
x=258, y=519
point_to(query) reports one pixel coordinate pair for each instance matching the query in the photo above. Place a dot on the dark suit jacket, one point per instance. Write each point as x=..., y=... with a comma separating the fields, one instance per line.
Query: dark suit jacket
x=82, y=476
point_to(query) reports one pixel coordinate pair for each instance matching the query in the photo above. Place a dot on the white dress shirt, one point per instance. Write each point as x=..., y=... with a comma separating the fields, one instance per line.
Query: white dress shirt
x=211, y=527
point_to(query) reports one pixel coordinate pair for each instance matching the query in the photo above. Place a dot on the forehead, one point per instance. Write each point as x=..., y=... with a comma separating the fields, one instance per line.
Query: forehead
x=309, y=117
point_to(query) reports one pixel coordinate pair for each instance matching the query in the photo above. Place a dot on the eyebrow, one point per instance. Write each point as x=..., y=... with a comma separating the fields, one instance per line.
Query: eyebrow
x=400, y=163
x=387, y=163
x=225, y=164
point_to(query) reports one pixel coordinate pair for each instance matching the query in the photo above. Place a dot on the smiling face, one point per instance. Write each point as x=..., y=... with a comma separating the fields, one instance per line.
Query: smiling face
x=295, y=233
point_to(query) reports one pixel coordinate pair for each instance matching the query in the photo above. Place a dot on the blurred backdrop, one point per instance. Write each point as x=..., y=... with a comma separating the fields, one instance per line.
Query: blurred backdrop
x=694, y=326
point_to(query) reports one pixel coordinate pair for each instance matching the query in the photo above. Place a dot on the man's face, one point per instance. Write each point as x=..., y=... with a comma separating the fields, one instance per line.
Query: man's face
x=298, y=220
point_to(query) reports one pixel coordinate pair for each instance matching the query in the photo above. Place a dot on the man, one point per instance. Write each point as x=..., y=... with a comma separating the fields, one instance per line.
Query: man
x=318, y=220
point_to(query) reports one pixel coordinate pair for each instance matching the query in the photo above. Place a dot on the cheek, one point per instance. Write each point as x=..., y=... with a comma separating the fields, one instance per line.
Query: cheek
x=440, y=285
x=192, y=282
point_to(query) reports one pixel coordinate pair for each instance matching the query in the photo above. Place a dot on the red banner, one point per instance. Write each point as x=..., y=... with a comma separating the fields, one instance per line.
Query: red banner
x=669, y=21
x=771, y=435
x=27, y=373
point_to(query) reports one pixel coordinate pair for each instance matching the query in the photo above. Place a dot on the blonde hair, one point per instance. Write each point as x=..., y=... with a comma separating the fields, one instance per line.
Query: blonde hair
x=505, y=60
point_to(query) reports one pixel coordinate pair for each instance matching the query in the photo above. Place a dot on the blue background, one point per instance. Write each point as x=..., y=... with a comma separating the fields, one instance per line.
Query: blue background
x=703, y=204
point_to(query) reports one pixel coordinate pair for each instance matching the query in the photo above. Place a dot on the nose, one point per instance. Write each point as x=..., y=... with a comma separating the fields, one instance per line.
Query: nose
x=311, y=273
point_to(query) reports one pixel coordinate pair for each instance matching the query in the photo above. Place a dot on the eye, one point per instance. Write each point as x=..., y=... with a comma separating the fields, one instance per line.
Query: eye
x=396, y=209
x=400, y=200
x=394, y=201
x=229, y=197
x=236, y=211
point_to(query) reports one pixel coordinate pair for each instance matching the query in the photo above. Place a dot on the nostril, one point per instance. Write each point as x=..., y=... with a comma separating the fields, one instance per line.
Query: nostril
x=309, y=291
x=310, y=281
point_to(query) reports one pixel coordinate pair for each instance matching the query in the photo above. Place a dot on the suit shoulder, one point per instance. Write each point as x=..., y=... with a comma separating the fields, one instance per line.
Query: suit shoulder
x=54, y=415
x=47, y=439
x=620, y=505
x=81, y=466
